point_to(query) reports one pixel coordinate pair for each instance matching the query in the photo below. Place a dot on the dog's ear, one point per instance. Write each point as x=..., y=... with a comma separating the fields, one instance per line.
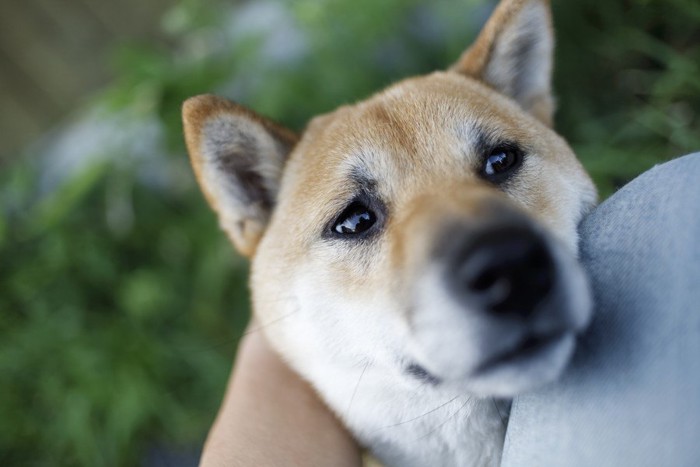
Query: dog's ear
x=238, y=159
x=513, y=54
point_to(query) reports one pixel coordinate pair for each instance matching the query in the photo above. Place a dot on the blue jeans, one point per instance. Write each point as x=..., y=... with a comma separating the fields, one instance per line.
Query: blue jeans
x=632, y=394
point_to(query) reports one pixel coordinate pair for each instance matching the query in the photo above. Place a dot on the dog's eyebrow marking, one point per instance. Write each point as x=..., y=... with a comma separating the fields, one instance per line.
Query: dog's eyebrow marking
x=482, y=141
x=486, y=140
x=477, y=139
x=361, y=177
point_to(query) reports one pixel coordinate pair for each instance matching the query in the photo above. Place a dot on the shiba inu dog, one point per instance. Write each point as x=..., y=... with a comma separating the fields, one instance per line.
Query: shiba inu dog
x=414, y=254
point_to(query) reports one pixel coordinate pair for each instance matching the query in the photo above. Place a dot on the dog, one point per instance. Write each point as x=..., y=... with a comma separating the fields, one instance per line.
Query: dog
x=414, y=255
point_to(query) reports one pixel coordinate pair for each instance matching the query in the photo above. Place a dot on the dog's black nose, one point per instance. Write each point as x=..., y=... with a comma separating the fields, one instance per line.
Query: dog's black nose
x=506, y=271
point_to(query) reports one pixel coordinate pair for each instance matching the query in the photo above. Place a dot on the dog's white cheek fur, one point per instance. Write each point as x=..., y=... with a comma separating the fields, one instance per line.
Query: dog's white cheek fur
x=351, y=351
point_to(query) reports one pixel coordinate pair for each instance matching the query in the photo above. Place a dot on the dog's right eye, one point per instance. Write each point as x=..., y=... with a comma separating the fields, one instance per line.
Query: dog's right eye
x=354, y=220
x=501, y=163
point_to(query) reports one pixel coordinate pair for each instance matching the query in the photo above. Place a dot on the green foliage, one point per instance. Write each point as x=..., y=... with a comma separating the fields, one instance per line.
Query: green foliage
x=628, y=80
x=112, y=339
x=121, y=301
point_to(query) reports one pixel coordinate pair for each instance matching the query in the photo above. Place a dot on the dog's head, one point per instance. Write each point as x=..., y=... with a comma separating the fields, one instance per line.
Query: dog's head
x=428, y=232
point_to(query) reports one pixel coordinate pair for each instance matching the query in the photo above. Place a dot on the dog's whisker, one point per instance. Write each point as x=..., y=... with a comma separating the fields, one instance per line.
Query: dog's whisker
x=450, y=417
x=354, y=392
x=270, y=323
x=421, y=415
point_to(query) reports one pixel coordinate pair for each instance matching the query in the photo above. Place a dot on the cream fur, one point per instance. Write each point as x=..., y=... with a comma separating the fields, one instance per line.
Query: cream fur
x=354, y=317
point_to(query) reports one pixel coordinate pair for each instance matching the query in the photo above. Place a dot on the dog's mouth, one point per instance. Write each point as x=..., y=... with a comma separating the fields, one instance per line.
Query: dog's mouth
x=421, y=374
x=526, y=353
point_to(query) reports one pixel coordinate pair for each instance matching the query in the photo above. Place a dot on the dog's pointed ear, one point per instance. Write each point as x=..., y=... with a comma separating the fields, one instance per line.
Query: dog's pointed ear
x=514, y=53
x=238, y=158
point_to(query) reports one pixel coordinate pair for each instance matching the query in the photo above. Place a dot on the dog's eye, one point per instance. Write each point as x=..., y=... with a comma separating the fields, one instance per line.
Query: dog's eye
x=500, y=162
x=355, y=219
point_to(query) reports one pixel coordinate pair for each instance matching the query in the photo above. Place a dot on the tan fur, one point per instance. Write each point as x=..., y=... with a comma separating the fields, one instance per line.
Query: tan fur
x=341, y=310
x=414, y=156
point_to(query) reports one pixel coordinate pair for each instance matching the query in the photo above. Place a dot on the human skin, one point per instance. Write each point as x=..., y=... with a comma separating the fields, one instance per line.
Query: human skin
x=271, y=417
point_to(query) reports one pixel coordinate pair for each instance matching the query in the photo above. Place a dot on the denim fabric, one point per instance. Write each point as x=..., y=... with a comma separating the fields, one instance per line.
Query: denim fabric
x=632, y=394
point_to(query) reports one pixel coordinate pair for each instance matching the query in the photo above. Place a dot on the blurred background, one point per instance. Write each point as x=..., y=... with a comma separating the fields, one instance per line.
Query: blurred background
x=120, y=301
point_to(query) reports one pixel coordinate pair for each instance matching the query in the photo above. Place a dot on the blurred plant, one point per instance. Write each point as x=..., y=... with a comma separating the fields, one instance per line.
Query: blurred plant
x=628, y=80
x=121, y=302
x=112, y=338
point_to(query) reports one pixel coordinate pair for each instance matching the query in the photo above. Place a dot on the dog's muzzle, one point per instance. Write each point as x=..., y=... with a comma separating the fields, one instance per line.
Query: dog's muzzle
x=498, y=309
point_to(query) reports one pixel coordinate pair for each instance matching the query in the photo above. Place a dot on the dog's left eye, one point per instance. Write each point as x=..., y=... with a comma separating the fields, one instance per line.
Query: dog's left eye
x=354, y=220
x=500, y=162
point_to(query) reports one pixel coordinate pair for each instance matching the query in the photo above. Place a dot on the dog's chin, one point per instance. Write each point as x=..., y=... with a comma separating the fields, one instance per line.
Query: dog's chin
x=533, y=363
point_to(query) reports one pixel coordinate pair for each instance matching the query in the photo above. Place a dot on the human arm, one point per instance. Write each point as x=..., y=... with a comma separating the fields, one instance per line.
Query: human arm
x=270, y=416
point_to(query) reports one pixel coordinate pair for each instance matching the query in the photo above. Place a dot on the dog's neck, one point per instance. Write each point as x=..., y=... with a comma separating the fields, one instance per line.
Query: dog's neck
x=415, y=426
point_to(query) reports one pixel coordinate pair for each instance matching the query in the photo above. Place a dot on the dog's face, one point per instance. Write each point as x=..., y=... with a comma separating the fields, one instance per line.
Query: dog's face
x=428, y=233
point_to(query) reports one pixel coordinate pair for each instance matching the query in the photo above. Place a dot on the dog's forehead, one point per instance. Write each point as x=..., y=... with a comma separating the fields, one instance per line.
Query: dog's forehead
x=432, y=124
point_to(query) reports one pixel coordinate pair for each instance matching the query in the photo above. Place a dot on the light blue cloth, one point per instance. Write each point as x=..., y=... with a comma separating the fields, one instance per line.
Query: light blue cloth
x=632, y=394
